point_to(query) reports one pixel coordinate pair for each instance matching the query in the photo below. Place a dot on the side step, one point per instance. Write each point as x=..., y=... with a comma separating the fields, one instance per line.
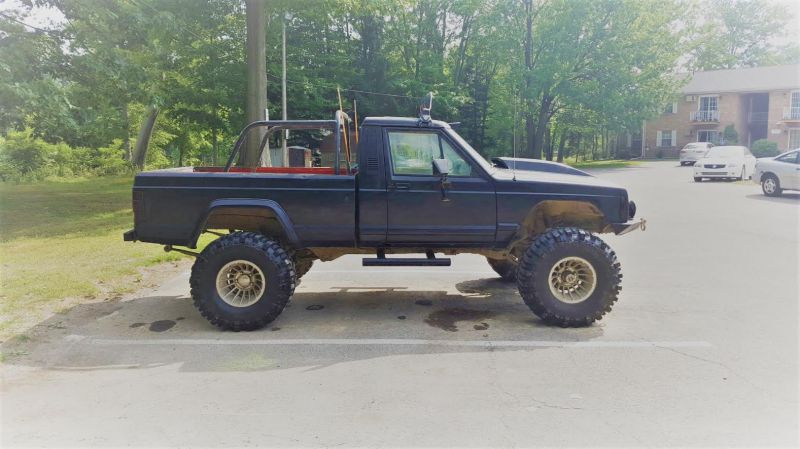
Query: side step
x=382, y=261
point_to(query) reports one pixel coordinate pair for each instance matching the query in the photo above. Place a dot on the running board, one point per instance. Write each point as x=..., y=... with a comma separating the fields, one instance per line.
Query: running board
x=382, y=261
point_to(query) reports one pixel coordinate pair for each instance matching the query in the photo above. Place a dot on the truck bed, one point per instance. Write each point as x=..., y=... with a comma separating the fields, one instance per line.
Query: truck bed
x=171, y=206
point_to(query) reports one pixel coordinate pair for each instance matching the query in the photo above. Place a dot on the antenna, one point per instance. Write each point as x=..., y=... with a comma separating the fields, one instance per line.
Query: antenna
x=514, y=138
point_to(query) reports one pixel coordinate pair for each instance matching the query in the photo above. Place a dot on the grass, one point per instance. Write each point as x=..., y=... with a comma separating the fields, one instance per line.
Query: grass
x=612, y=163
x=64, y=239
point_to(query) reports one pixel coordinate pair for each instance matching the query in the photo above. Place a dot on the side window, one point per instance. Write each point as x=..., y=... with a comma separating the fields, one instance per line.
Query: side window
x=460, y=167
x=790, y=158
x=413, y=154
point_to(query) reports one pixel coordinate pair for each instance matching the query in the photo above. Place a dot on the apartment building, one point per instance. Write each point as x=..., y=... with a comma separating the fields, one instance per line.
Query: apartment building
x=760, y=103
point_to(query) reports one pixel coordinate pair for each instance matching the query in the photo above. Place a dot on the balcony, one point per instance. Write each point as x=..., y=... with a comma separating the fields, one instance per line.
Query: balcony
x=792, y=113
x=704, y=116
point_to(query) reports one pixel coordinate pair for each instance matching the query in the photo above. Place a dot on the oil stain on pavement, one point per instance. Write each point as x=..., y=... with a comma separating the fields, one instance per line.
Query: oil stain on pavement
x=446, y=319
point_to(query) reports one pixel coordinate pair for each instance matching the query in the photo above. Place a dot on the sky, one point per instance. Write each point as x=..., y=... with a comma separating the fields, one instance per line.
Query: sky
x=48, y=18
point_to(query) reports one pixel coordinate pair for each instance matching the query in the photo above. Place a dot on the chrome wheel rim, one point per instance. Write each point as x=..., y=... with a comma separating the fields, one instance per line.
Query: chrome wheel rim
x=240, y=283
x=572, y=280
x=769, y=185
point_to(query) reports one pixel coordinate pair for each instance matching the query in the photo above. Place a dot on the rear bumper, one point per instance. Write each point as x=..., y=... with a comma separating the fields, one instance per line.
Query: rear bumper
x=130, y=236
x=624, y=228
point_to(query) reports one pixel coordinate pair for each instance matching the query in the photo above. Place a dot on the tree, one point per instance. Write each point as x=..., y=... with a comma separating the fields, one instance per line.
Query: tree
x=742, y=33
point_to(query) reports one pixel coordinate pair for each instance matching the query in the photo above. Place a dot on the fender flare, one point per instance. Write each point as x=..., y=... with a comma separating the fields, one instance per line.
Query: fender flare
x=250, y=203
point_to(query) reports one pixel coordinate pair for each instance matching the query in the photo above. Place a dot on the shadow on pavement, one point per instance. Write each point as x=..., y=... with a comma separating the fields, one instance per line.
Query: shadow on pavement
x=786, y=198
x=150, y=332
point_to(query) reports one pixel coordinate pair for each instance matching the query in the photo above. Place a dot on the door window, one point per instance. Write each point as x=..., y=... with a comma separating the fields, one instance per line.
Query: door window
x=790, y=158
x=413, y=154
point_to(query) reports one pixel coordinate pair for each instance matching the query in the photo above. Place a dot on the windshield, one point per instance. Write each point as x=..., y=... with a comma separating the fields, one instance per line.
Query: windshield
x=471, y=151
x=725, y=153
x=694, y=146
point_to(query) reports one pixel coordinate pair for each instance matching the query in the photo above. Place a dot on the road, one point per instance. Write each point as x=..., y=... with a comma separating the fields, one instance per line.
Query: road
x=700, y=350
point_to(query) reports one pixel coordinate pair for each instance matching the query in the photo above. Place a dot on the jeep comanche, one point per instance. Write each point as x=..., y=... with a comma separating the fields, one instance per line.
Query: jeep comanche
x=413, y=186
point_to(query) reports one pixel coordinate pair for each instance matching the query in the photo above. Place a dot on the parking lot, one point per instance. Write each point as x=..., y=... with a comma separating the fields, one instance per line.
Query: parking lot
x=700, y=350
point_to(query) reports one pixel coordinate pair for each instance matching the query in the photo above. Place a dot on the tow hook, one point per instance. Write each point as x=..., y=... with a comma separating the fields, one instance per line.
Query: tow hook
x=642, y=224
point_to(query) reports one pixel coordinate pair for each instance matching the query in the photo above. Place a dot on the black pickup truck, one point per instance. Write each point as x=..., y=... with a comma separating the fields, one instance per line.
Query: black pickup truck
x=411, y=185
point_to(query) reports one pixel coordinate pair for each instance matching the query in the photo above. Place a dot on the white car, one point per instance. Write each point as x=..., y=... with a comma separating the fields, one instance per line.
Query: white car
x=727, y=162
x=779, y=173
x=694, y=151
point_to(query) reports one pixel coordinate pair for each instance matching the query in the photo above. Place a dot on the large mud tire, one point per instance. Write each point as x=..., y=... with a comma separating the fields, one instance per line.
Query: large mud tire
x=558, y=248
x=504, y=267
x=252, y=250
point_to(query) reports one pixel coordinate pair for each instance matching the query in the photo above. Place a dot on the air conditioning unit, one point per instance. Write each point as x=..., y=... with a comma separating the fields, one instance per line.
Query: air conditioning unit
x=691, y=98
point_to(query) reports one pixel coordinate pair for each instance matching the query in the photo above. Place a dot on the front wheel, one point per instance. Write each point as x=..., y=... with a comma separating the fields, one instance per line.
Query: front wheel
x=569, y=277
x=504, y=267
x=242, y=281
x=771, y=186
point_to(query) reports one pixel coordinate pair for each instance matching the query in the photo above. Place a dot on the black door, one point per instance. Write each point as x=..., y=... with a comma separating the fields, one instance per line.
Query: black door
x=416, y=210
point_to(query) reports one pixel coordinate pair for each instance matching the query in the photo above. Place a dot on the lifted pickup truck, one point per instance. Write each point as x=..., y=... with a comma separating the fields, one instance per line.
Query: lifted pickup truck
x=413, y=186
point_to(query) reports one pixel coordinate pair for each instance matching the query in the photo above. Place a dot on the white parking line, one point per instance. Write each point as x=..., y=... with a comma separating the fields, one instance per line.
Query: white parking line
x=397, y=342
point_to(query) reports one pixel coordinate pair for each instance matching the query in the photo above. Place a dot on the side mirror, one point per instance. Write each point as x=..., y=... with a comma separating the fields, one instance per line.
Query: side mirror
x=441, y=167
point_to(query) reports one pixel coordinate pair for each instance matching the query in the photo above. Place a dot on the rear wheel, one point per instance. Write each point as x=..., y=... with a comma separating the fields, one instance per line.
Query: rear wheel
x=569, y=277
x=242, y=281
x=771, y=185
x=506, y=268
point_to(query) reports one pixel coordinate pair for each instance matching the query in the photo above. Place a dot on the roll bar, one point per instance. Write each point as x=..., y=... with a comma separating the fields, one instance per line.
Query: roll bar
x=339, y=123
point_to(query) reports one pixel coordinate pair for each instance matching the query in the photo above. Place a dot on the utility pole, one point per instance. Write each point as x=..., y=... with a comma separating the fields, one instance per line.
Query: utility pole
x=256, y=104
x=283, y=93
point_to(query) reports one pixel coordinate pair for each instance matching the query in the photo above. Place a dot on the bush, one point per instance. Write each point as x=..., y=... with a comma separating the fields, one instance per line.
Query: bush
x=24, y=157
x=730, y=136
x=764, y=148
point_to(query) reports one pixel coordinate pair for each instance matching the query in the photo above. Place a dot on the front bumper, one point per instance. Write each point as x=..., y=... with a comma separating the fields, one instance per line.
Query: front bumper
x=624, y=228
x=701, y=172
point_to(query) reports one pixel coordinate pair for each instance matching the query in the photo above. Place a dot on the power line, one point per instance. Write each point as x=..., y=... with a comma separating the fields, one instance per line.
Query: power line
x=366, y=92
x=11, y=18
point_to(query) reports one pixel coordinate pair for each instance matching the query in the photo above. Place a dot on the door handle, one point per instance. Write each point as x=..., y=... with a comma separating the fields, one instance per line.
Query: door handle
x=399, y=186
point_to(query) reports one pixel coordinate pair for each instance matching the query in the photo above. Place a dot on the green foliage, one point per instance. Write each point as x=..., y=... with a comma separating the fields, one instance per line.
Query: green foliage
x=764, y=148
x=26, y=157
x=595, y=70
x=729, y=135
x=740, y=33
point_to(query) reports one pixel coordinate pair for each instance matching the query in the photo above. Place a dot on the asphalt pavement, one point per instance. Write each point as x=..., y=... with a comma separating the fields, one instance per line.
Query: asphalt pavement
x=700, y=350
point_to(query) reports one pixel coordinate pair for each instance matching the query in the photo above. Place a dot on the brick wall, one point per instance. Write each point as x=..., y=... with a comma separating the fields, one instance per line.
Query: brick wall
x=733, y=109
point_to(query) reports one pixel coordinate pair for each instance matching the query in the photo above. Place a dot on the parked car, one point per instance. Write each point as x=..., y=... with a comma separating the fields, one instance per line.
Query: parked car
x=779, y=173
x=517, y=163
x=726, y=162
x=694, y=151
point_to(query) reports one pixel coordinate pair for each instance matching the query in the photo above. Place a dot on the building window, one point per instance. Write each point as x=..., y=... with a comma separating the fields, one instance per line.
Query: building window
x=671, y=108
x=708, y=103
x=794, y=107
x=794, y=138
x=666, y=138
x=708, y=135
